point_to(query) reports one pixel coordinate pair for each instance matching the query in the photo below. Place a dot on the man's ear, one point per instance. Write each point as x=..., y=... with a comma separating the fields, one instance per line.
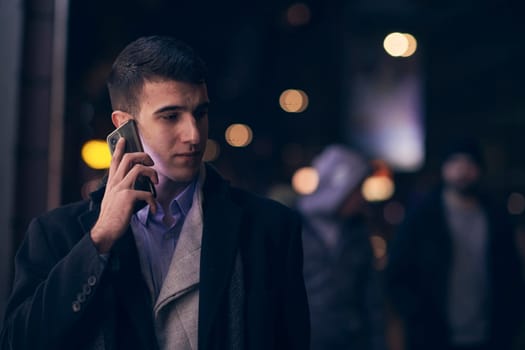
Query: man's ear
x=119, y=117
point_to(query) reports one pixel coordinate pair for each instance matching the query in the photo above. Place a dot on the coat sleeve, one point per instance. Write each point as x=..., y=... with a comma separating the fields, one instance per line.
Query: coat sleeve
x=51, y=290
x=296, y=313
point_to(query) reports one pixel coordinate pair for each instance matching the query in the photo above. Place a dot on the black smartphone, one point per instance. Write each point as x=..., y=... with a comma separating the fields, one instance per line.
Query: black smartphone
x=128, y=130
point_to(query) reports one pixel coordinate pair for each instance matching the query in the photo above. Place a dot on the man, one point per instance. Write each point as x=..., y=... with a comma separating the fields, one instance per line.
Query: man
x=453, y=269
x=343, y=288
x=201, y=266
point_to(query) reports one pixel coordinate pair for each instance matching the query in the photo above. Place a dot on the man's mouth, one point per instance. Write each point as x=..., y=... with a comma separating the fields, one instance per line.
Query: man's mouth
x=188, y=155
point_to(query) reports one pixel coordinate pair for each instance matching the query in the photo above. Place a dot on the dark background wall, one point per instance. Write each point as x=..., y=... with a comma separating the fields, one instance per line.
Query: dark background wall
x=470, y=54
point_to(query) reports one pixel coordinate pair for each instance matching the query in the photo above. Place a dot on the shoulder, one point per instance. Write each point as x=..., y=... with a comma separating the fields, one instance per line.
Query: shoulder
x=251, y=204
x=258, y=204
x=265, y=216
x=60, y=227
x=65, y=214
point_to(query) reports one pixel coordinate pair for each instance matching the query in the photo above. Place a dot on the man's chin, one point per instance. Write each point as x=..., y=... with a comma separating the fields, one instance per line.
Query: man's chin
x=184, y=175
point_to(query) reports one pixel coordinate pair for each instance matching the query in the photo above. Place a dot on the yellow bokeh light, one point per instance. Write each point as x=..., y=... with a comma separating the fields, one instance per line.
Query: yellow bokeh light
x=412, y=45
x=293, y=101
x=239, y=135
x=379, y=246
x=377, y=188
x=212, y=151
x=95, y=153
x=305, y=180
x=396, y=44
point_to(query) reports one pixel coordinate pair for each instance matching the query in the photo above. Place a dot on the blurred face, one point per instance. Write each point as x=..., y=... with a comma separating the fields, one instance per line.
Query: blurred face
x=461, y=173
x=173, y=126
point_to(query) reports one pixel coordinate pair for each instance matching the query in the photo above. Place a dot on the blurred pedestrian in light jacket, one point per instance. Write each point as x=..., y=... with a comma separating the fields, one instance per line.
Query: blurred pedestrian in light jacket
x=343, y=288
x=453, y=272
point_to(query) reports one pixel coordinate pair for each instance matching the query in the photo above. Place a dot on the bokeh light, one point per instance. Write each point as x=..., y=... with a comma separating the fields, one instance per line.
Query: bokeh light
x=395, y=44
x=298, y=14
x=305, y=180
x=293, y=101
x=212, y=151
x=412, y=45
x=400, y=44
x=377, y=188
x=239, y=135
x=379, y=246
x=516, y=203
x=95, y=153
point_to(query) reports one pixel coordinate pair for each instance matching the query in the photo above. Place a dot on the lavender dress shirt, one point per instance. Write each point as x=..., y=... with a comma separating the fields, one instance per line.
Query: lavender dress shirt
x=156, y=236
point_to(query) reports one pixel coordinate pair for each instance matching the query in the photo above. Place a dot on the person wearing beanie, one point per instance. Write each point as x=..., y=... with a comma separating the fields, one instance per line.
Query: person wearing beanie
x=454, y=274
x=342, y=287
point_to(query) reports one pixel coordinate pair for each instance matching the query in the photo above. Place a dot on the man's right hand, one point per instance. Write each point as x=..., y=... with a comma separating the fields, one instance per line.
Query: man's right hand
x=120, y=196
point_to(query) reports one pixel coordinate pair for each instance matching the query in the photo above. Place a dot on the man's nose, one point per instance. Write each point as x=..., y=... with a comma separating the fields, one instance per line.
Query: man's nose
x=190, y=132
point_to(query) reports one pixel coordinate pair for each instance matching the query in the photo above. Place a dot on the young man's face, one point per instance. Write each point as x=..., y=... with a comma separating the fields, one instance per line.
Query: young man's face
x=173, y=125
x=461, y=173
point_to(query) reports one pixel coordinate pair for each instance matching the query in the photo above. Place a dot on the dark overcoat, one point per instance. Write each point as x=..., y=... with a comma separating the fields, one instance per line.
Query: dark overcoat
x=64, y=298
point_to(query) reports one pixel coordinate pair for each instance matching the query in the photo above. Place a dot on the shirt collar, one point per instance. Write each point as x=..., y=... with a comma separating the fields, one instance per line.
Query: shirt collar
x=184, y=199
x=180, y=204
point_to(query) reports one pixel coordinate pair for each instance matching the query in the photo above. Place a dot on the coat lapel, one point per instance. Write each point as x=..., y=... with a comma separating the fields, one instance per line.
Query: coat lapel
x=183, y=274
x=220, y=242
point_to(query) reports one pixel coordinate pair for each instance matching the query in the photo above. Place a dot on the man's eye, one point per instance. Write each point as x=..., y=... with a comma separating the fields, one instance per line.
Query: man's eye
x=170, y=116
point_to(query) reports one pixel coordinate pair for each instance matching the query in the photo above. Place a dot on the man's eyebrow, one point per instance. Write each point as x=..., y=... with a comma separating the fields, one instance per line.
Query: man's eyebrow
x=174, y=108
x=169, y=108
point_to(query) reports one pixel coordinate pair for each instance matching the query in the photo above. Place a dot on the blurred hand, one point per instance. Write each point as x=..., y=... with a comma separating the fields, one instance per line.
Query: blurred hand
x=120, y=196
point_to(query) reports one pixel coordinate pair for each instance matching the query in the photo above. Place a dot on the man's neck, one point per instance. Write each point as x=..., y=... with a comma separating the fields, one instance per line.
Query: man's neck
x=167, y=190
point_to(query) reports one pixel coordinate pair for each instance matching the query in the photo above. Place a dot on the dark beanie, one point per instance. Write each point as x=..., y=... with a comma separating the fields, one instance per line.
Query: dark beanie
x=467, y=146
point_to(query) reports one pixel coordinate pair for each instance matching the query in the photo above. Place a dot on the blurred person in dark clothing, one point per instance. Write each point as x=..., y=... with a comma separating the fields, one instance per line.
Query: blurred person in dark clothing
x=454, y=274
x=344, y=291
x=202, y=265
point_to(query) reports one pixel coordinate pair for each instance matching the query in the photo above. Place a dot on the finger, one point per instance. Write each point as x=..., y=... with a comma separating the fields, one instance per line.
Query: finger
x=148, y=198
x=130, y=160
x=116, y=158
x=145, y=171
x=138, y=158
x=147, y=161
x=139, y=170
x=120, y=148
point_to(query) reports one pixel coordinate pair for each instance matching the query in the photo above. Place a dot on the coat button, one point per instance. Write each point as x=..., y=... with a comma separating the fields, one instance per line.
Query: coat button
x=81, y=297
x=92, y=280
x=75, y=306
x=86, y=289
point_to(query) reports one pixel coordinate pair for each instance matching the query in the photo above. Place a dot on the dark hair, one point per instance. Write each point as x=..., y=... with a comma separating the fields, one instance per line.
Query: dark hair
x=467, y=145
x=152, y=58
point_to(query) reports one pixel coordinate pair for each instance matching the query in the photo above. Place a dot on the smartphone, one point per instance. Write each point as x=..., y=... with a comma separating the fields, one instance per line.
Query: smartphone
x=128, y=130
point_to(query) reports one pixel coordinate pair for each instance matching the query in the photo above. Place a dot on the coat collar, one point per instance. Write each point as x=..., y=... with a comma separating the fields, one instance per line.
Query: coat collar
x=184, y=271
